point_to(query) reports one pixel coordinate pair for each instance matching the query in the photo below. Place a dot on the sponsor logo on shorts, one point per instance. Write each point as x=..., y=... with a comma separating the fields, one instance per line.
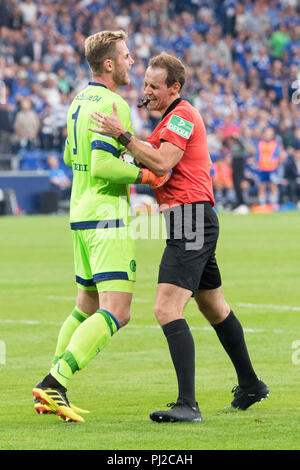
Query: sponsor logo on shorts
x=180, y=126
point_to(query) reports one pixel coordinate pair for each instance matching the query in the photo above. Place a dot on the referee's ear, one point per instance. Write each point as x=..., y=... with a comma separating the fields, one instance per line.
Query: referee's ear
x=176, y=88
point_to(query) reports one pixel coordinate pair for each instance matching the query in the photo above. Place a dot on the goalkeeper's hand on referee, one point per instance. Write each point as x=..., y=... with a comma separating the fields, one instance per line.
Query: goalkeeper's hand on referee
x=148, y=177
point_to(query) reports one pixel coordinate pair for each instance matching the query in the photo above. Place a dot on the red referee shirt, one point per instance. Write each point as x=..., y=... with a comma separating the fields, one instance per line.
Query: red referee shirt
x=190, y=182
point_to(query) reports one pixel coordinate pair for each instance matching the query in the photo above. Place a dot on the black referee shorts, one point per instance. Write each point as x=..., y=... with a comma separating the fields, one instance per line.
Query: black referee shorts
x=189, y=257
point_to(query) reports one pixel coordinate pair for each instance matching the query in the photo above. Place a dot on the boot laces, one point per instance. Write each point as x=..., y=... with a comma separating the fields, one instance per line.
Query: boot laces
x=236, y=390
x=171, y=405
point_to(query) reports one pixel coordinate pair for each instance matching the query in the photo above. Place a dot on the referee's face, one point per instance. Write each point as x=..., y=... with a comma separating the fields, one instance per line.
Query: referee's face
x=156, y=90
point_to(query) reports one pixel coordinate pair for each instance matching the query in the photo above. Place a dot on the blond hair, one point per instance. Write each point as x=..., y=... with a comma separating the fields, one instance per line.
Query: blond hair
x=173, y=66
x=102, y=46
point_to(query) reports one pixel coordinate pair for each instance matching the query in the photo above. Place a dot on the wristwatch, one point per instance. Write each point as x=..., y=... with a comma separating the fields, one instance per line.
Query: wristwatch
x=124, y=139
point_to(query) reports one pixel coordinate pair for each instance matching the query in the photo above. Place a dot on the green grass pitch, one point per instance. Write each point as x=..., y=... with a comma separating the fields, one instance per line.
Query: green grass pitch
x=259, y=257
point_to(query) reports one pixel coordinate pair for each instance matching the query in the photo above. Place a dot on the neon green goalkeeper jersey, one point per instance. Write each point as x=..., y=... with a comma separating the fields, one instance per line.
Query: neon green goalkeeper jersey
x=97, y=195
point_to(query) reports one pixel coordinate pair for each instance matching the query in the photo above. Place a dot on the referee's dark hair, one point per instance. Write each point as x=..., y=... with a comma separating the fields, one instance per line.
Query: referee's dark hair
x=174, y=67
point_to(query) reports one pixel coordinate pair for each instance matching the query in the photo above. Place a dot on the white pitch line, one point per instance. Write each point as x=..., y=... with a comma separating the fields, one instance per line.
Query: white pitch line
x=238, y=304
x=30, y=322
x=137, y=327
x=130, y=327
x=268, y=306
x=58, y=297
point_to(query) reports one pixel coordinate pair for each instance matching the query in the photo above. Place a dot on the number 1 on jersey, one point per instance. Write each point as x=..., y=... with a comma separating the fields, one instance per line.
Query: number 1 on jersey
x=75, y=117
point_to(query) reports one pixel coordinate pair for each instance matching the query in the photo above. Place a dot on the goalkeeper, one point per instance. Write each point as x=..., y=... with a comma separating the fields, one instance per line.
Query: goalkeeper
x=104, y=249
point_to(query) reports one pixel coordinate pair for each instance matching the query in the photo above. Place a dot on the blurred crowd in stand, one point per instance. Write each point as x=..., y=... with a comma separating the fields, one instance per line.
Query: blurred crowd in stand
x=243, y=75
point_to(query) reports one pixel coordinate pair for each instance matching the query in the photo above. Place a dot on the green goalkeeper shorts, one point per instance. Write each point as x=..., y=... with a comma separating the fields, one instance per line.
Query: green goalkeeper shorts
x=104, y=258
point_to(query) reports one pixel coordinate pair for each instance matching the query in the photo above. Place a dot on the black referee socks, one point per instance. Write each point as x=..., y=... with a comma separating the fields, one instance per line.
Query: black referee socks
x=231, y=336
x=182, y=350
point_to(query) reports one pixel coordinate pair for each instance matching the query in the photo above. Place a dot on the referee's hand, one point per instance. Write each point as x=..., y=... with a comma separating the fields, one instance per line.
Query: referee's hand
x=107, y=124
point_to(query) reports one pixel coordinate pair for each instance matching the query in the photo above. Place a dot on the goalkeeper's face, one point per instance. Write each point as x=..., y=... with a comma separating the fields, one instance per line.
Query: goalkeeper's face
x=122, y=64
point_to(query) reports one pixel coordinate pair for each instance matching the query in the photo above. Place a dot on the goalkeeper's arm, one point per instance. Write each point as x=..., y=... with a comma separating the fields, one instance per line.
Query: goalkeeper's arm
x=160, y=160
x=67, y=154
x=104, y=165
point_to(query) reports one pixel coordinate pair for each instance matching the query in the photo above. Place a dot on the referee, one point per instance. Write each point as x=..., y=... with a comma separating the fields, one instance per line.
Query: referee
x=188, y=266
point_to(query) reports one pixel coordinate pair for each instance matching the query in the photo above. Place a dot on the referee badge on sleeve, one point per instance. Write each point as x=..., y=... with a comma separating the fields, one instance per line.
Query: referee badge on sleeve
x=180, y=126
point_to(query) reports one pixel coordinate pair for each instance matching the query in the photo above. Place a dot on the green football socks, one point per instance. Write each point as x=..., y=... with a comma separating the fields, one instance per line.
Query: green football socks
x=71, y=323
x=89, y=338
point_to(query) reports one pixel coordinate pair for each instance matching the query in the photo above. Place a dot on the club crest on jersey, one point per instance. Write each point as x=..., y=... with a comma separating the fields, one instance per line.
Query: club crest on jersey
x=180, y=126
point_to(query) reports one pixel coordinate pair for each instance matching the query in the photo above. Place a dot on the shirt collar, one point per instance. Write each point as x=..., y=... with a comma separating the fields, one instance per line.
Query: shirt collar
x=97, y=84
x=171, y=107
